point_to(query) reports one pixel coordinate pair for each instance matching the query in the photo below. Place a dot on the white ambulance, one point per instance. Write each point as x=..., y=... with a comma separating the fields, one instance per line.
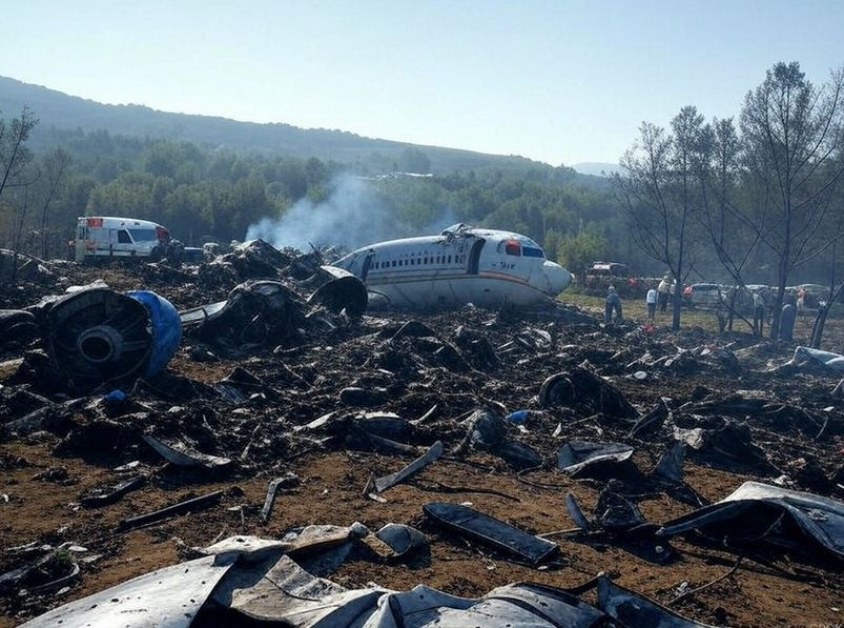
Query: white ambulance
x=105, y=236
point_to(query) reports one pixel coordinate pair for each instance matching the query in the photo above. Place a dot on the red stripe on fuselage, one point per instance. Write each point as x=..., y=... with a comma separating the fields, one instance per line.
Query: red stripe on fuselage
x=388, y=280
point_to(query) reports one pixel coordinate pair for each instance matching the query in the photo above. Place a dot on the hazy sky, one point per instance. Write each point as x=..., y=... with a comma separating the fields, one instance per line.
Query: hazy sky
x=562, y=81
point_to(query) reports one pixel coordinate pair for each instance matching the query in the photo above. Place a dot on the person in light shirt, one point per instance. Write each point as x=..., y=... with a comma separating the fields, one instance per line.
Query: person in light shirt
x=664, y=289
x=650, y=300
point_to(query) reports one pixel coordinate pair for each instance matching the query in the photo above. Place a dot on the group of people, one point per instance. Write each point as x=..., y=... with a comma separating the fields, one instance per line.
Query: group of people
x=658, y=297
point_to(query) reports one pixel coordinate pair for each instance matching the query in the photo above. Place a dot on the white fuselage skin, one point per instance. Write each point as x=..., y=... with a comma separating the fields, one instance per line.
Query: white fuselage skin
x=463, y=265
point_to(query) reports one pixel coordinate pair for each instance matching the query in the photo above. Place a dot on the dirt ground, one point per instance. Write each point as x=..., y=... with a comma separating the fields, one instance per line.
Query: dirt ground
x=767, y=588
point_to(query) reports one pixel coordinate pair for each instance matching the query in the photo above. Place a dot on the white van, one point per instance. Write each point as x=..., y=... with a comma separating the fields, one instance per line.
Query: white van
x=104, y=236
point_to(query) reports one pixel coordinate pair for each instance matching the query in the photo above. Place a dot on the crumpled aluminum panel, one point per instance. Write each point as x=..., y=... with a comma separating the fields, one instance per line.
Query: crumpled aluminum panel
x=574, y=456
x=166, y=598
x=822, y=518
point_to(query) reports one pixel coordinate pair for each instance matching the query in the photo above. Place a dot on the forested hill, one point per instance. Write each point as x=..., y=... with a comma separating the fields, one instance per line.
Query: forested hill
x=214, y=180
x=60, y=113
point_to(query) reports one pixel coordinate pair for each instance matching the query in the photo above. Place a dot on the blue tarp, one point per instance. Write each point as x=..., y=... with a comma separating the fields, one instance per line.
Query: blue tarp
x=166, y=327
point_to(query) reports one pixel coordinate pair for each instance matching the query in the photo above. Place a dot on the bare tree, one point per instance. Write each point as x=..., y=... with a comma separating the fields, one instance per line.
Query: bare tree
x=55, y=166
x=14, y=156
x=734, y=243
x=789, y=134
x=836, y=290
x=14, y=160
x=660, y=194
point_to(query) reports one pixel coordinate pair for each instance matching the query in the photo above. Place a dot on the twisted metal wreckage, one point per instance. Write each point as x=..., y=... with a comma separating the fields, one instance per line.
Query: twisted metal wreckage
x=247, y=578
x=98, y=342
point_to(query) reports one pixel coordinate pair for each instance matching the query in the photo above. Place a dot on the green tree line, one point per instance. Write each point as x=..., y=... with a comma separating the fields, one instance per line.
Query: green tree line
x=215, y=195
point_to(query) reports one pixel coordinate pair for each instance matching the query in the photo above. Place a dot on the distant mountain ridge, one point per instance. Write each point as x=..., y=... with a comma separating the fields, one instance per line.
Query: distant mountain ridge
x=599, y=169
x=63, y=112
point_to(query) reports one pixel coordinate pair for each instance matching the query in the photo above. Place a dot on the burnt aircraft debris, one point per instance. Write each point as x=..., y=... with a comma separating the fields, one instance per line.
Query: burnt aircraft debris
x=578, y=458
x=618, y=522
x=182, y=455
x=488, y=431
x=169, y=596
x=669, y=467
x=585, y=391
x=53, y=570
x=340, y=291
x=631, y=609
x=17, y=327
x=492, y=531
x=769, y=514
x=402, y=539
x=24, y=268
x=287, y=481
x=105, y=495
x=242, y=580
x=832, y=363
x=651, y=421
x=94, y=335
x=379, y=485
x=280, y=373
x=97, y=335
x=257, y=312
x=188, y=505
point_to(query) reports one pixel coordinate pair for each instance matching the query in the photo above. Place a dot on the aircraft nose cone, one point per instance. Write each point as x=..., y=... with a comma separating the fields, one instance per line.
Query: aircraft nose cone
x=558, y=278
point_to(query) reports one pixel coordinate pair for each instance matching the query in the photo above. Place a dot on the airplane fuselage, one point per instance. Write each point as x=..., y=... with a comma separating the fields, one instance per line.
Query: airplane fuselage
x=462, y=265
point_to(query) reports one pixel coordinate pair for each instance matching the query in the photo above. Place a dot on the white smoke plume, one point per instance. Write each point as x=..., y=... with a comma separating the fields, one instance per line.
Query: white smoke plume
x=352, y=216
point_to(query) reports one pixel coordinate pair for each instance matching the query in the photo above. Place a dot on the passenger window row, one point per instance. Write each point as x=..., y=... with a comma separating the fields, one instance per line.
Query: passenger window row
x=420, y=261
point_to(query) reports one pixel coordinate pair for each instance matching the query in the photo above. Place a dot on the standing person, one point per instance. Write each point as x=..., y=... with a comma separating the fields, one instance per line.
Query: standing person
x=664, y=289
x=758, y=314
x=650, y=300
x=612, y=302
x=801, y=300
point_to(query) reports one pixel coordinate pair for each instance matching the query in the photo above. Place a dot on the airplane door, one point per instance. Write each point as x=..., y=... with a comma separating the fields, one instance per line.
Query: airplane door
x=367, y=263
x=475, y=256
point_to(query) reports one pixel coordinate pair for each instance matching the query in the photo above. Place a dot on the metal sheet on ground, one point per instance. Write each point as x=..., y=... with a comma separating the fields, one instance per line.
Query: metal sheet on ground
x=490, y=530
x=559, y=607
x=168, y=597
x=575, y=456
x=287, y=593
x=183, y=456
x=388, y=481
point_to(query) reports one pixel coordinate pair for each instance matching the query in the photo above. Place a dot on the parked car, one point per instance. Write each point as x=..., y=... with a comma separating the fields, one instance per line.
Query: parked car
x=703, y=294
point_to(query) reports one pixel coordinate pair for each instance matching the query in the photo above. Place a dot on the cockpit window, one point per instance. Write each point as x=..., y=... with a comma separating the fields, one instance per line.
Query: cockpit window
x=530, y=251
x=512, y=247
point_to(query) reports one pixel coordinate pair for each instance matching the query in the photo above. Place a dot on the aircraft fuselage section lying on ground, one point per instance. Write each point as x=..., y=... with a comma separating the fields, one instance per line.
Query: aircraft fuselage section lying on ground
x=462, y=265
